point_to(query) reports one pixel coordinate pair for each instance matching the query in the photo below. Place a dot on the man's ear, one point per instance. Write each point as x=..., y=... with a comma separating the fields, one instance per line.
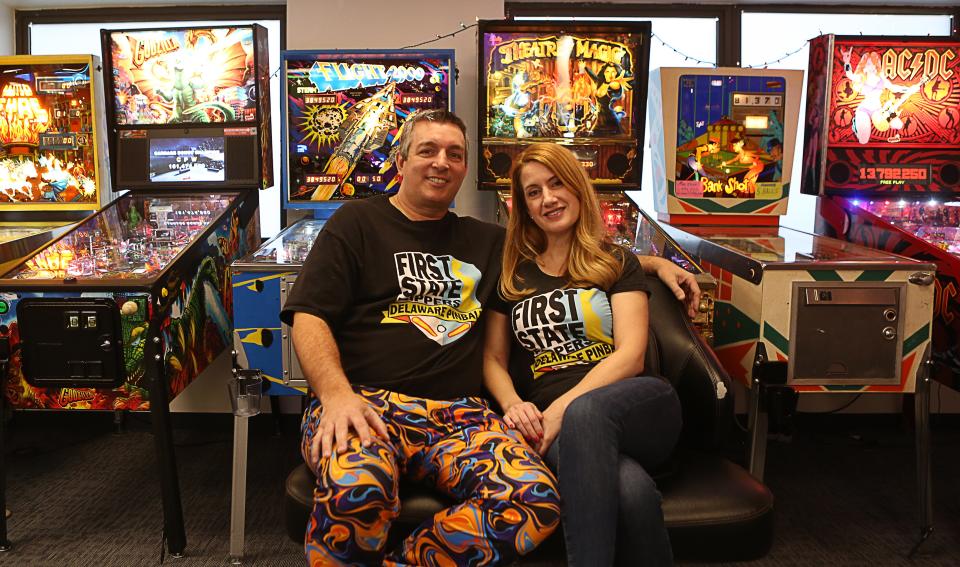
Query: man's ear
x=400, y=163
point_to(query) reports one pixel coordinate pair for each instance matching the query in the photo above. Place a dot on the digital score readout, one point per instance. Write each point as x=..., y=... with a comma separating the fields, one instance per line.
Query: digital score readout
x=895, y=175
x=757, y=99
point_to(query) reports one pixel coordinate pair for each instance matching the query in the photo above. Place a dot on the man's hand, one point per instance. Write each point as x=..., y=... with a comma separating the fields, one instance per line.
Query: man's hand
x=526, y=418
x=341, y=413
x=552, y=421
x=681, y=282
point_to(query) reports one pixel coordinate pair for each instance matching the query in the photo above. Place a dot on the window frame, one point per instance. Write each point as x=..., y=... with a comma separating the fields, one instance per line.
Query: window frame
x=728, y=16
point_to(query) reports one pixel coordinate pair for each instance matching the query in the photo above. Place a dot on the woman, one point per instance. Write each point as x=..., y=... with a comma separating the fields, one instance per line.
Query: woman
x=578, y=305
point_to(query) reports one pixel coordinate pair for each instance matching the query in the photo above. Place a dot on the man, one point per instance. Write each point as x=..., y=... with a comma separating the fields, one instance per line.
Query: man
x=385, y=317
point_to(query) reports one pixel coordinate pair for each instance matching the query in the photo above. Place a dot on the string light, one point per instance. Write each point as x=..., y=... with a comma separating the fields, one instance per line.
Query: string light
x=463, y=27
x=684, y=55
x=713, y=64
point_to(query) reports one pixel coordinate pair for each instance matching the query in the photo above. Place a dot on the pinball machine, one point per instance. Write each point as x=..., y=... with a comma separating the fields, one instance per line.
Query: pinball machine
x=53, y=155
x=882, y=151
x=576, y=84
x=126, y=309
x=343, y=114
x=794, y=312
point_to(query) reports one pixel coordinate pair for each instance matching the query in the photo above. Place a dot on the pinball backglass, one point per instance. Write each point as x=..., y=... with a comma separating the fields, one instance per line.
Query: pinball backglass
x=344, y=111
x=579, y=84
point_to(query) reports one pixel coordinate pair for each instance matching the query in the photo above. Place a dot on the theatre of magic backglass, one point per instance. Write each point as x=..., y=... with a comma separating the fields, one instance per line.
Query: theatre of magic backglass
x=583, y=85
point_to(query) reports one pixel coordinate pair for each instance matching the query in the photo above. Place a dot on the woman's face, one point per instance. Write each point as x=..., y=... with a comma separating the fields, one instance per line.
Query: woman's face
x=609, y=73
x=552, y=205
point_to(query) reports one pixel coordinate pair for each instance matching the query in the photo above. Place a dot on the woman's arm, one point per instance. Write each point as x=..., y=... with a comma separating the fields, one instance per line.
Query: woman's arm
x=681, y=282
x=630, y=320
x=518, y=414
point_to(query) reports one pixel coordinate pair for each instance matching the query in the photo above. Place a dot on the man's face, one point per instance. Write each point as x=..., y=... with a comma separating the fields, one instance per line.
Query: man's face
x=436, y=164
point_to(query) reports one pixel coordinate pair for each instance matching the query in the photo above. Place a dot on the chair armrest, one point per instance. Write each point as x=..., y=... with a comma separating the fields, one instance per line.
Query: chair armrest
x=679, y=354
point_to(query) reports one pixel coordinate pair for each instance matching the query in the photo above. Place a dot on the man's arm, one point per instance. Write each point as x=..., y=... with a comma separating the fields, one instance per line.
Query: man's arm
x=681, y=282
x=342, y=408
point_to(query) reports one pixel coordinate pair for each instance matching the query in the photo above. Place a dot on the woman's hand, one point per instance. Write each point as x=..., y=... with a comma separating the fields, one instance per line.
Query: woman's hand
x=552, y=420
x=525, y=418
x=681, y=282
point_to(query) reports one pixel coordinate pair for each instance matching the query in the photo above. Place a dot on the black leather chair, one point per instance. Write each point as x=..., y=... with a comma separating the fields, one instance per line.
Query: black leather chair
x=713, y=508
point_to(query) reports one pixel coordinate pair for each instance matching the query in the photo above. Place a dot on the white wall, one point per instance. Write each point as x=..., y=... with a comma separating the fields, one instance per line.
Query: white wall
x=7, y=33
x=353, y=24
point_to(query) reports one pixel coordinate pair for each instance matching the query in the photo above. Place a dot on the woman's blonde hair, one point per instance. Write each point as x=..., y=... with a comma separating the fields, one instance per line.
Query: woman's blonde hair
x=591, y=261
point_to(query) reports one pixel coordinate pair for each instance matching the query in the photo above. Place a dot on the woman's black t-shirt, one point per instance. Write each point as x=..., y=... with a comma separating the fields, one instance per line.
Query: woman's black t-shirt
x=565, y=331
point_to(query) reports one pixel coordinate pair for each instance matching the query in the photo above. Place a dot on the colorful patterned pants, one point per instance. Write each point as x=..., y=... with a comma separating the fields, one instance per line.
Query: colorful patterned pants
x=508, y=498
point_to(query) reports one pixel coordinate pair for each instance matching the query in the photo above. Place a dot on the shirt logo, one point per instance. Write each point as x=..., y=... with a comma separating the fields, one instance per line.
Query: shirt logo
x=437, y=295
x=564, y=327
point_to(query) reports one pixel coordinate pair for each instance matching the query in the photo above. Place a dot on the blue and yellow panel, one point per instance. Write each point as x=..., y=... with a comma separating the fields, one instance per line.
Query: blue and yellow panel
x=257, y=329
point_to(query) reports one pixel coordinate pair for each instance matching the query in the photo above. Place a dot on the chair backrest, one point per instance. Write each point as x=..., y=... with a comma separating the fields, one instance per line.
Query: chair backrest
x=678, y=353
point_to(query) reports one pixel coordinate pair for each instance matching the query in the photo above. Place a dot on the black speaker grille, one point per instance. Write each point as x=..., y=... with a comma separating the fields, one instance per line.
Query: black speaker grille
x=950, y=174
x=133, y=157
x=839, y=173
x=240, y=154
x=617, y=164
x=500, y=163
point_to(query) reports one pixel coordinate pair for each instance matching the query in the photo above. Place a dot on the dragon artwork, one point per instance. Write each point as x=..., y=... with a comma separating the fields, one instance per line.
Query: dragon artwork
x=182, y=96
x=187, y=338
x=191, y=343
x=197, y=82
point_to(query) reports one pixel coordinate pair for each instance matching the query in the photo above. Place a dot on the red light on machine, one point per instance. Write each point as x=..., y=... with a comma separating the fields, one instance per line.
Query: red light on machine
x=22, y=118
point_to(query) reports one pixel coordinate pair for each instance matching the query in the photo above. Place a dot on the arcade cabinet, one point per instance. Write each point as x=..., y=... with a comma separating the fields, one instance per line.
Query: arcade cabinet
x=882, y=151
x=127, y=309
x=794, y=312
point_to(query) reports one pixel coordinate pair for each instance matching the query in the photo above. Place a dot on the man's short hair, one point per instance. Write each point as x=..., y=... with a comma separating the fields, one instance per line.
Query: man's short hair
x=438, y=115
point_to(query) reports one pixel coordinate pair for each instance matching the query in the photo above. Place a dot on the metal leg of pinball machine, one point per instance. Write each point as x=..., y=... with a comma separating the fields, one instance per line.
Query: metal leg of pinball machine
x=238, y=497
x=174, y=533
x=757, y=416
x=921, y=400
x=5, y=544
x=757, y=429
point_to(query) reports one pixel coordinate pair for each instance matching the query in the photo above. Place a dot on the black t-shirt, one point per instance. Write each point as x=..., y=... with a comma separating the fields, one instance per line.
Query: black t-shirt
x=402, y=297
x=565, y=331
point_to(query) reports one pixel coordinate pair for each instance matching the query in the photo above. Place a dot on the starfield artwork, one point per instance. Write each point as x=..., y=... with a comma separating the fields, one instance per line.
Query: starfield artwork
x=183, y=76
x=730, y=134
x=345, y=112
x=47, y=134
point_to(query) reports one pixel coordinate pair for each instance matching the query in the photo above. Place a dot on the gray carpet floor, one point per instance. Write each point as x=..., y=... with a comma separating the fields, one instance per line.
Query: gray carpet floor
x=82, y=494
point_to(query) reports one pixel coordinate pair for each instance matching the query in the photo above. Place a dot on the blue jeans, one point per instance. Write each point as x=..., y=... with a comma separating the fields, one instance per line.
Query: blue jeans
x=610, y=506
